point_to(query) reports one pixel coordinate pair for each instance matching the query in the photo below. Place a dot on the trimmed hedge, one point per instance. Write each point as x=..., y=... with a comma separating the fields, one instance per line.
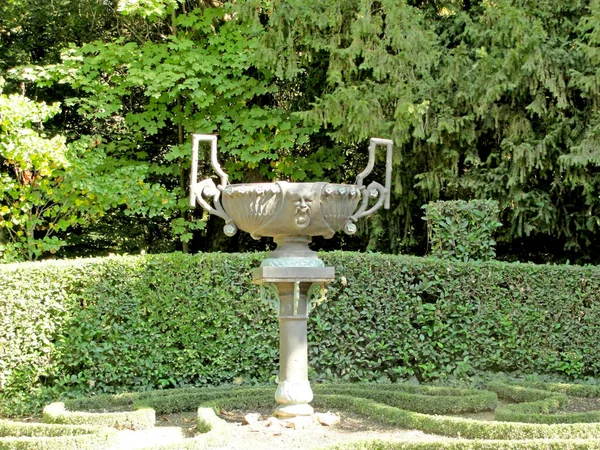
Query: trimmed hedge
x=423, y=399
x=474, y=434
x=37, y=436
x=574, y=390
x=456, y=426
x=534, y=444
x=539, y=405
x=462, y=230
x=158, y=321
x=141, y=419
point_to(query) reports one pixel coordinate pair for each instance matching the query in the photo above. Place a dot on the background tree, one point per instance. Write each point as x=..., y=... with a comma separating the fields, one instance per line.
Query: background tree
x=483, y=100
x=48, y=186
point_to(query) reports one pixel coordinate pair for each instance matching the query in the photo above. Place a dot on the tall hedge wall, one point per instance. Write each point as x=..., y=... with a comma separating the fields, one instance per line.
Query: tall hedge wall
x=140, y=322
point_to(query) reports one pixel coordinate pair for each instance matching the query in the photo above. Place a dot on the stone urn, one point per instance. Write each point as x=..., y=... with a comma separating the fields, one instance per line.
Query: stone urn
x=292, y=277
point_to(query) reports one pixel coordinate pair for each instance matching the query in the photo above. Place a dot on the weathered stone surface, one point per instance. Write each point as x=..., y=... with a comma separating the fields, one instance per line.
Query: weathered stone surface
x=302, y=409
x=292, y=213
x=289, y=209
x=328, y=419
x=256, y=427
x=300, y=422
x=292, y=392
x=275, y=426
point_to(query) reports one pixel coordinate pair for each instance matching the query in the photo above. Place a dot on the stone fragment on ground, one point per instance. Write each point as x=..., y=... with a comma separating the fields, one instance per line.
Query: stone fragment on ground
x=274, y=425
x=251, y=418
x=299, y=422
x=328, y=419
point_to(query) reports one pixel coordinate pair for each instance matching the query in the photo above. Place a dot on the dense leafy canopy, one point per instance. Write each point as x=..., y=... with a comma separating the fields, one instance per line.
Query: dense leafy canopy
x=48, y=186
x=483, y=99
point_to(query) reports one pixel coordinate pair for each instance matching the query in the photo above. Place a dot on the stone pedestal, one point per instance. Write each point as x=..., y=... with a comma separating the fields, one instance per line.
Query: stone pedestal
x=293, y=292
x=293, y=278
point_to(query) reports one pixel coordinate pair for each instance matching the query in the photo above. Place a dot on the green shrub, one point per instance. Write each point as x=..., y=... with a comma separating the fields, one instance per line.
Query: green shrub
x=421, y=399
x=538, y=405
x=574, y=390
x=462, y=230
x=141, y=419
x=356, y=398
x=459, y=444
x=37, y=436
x=158, y=321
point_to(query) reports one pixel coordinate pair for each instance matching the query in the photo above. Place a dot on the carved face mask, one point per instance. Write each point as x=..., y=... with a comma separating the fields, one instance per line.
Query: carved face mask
x=302, y=201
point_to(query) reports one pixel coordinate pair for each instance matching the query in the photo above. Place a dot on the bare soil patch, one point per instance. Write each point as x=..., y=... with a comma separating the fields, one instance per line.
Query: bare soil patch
x=579, y=404
x=173, y=427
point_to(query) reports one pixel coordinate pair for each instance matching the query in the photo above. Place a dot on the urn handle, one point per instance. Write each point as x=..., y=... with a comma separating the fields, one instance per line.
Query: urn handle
x=206, y=188
x=388, y=167
x=373, y=190
x=196, y=138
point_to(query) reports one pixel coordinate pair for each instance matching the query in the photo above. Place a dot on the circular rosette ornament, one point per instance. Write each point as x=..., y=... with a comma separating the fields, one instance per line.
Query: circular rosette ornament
x=350, y=228
x=252, y=206
x=230, y=229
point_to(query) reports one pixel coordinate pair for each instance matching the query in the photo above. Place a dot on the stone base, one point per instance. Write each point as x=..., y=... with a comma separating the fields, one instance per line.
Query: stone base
x=288, y=411
x=293, y=392
x=294, y=398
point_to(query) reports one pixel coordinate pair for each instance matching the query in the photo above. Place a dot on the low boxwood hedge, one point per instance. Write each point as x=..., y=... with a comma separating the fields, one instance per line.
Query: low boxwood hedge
x=539, y=405
x=574, y=390
x=358, y=399
x=159, y=321
x=39, y=436
x=424, y=399
x=533, y=444
x=140, y=419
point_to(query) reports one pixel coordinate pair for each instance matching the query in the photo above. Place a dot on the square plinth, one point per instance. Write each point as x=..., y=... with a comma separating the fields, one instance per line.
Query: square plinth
x=293, y=274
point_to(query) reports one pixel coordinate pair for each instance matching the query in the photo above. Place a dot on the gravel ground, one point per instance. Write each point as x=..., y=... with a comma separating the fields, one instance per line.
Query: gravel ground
x=174, y=427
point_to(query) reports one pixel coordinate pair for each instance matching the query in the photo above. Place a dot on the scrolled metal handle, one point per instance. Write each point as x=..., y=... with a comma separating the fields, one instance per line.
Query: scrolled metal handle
x=373, y=190
x=374, y=142
x=207, y=188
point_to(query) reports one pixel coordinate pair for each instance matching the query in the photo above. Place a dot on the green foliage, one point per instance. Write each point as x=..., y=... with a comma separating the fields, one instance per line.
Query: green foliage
x=34, y=32
x=147, y=93
x=540, y=406
x=462, y=230
x=137, y=323
x=141, y=419
x=532, y=444
x=49, y=187
x=199, y=77
x=574, y=390
x=29, y=162
x=378, y=402
x=482, y=99
x=457, y=426
x=37, y=436
x=91, y=333
x=423, y=399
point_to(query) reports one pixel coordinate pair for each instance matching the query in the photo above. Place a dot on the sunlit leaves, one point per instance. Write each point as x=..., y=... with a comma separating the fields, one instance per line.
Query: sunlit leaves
x=48, y=186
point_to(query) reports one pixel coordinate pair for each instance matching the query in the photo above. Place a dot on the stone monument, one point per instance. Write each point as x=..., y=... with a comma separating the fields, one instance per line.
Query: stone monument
x=292, y=277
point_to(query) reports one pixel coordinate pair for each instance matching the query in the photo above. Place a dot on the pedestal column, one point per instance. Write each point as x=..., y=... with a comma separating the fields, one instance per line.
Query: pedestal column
x=293, y=392
x=291, y=286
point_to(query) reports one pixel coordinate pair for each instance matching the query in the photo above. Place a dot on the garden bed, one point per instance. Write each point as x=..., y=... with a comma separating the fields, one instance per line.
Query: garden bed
x=374, y=417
